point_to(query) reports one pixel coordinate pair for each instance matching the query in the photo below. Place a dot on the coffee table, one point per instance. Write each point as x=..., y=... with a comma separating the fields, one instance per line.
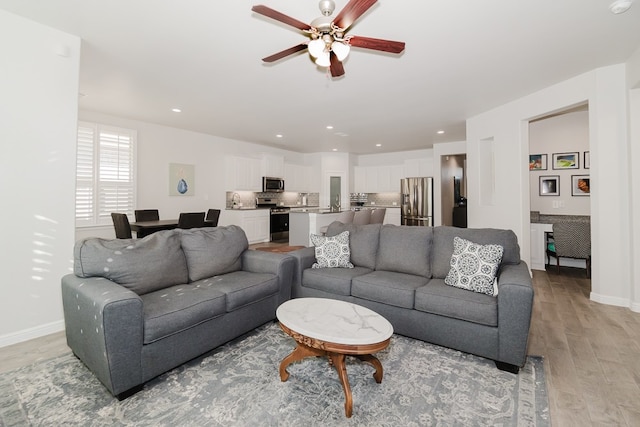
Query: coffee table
x=333, y=328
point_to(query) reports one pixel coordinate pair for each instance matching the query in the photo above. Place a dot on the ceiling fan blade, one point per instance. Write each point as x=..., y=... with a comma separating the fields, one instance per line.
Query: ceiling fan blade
x=274, y=14
x=352, y=11
x=376, y=44
x=336, y=68
x=284, y=53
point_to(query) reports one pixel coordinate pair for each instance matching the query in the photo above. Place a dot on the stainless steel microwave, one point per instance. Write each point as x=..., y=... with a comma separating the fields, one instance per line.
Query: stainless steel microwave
x=272, y=185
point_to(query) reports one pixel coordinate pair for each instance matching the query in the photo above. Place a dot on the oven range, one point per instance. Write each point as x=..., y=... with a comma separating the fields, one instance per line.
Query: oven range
x=279, y=219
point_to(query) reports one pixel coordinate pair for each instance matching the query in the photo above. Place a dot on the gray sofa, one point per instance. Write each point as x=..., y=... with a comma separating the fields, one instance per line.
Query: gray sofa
x=399, y=272
x=136, y=308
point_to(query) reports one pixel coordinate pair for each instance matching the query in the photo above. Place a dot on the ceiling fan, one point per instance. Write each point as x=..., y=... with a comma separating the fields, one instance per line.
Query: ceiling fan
x=329, y=44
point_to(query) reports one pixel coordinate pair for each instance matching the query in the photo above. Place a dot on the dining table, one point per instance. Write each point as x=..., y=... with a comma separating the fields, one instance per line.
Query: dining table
x=144, y=228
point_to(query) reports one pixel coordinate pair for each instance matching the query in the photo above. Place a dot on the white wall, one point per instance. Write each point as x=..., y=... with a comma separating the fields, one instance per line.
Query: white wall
x=506, y=129
x=158, y=146
x=38, y=110
x=563, y=133
x=633, y=82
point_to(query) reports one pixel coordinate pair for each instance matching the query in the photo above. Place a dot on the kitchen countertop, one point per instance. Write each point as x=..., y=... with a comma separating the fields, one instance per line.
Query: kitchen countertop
x=551, y=219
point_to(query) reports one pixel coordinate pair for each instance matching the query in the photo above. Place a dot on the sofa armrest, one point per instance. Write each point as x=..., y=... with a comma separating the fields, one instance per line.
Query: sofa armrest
x=282, y=265
x=304, y=259
x=515, y=303
x=104, y=325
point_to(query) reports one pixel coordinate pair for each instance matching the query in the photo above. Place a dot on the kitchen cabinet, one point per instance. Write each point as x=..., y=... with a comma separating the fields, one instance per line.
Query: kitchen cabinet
x=254, y=222
x=417, y=167
x=392, y=215
x=377, y=179
x=243, y=174
x=297, y=178
x=273, y=165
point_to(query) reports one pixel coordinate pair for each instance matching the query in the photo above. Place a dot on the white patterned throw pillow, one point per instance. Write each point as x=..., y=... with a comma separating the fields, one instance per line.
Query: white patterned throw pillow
x=332, y=252
x=474, y=266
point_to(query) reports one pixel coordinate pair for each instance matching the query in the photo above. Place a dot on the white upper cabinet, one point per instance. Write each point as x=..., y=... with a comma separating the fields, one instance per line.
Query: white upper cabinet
x=243, y=174
x=297, y=178
x=417, y=167
x=377, y=179
x=273, y=165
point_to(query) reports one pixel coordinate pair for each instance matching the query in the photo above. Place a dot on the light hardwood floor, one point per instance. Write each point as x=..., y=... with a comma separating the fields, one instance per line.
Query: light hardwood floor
x=591, y=351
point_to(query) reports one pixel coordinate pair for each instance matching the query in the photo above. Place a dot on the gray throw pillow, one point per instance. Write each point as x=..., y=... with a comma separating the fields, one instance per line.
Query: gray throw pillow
x=473, y=266
x=214, y=250
x=332, y=252
x=142, y=265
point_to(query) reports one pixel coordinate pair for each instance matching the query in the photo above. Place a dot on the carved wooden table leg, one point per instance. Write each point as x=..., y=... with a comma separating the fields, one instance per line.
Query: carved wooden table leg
x=372, y=360
x=299, y=353
x=338, y=361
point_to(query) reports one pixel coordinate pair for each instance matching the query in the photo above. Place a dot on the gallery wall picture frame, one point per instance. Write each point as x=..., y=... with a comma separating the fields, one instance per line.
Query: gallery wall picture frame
x=537, y=162
x=587, y=160
x=566, y=160
x=550, y=185
x=580, y=185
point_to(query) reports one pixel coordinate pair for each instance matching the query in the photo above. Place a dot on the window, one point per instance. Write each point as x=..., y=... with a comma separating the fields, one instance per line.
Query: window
x=105, y=173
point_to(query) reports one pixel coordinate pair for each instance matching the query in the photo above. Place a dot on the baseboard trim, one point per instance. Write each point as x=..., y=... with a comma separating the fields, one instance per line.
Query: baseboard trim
x=604, y=299
x=31, y=333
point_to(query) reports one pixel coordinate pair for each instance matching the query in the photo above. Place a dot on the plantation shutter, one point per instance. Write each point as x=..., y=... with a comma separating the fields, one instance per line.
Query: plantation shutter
x=105, y=173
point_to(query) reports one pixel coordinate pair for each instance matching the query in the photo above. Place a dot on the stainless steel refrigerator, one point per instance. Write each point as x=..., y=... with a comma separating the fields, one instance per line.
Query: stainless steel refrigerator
x=417, y=201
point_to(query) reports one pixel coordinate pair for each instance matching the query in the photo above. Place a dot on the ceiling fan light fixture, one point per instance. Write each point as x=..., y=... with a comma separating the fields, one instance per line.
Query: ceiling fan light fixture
x=341, y=50
x=316, y=47
x=323, y=60
x=620, y=6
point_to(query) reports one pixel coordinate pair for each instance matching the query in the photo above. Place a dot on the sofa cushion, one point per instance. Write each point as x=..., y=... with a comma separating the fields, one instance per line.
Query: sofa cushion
x=363, y=241
x=405, y=250
x=474, y=266
x=443, y=300
x=177, y=308
x=243, y=287
x=332, y=252
x=141, y=265
x=212, y=251
x=332, y=280
x=443, y=245
x=388, y=287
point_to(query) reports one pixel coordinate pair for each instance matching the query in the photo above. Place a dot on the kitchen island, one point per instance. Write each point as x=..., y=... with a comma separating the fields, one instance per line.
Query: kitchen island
x=304, y=222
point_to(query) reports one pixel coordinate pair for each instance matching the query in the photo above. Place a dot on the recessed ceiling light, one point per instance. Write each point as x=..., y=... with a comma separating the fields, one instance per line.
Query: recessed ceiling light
x=342, y=134
x=620, y=6
x=279, y=135
x=335, y=149
x=329, y=127
x=176, y=110
x=378, y=145
x=440, y=132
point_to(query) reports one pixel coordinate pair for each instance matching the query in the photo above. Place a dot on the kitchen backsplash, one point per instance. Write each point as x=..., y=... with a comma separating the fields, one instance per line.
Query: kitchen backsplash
x=378, y=199
x=247, y=199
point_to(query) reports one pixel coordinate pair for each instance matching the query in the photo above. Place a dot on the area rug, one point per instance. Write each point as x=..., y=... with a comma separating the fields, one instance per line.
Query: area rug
x=239, y=385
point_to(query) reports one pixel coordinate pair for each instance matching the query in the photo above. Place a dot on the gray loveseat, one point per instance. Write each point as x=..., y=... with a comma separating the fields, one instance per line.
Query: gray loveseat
x=399, y=272
x=136, y=308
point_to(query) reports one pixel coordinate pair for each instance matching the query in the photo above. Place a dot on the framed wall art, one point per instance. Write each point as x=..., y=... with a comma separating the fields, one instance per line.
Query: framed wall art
x=537, y=162
x=550, y=185
x=181, y=180
x=566, y=160
x=587, y=160
x=580, y=185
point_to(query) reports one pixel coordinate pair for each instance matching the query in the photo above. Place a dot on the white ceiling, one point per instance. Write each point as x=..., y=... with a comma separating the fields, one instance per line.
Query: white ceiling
x=140, y=58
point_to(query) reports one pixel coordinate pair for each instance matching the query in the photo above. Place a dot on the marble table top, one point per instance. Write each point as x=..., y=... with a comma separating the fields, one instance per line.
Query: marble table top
x=334, y=321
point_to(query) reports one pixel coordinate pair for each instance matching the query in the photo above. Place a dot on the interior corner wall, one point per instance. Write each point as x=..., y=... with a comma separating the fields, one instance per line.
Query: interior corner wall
x=38, y=106
x=605, y=91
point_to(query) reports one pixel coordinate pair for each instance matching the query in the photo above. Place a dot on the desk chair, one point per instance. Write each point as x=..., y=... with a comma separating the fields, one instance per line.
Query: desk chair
x=212, y=217
x=147, y=215
x=571, y=240
x=377, y=216
x=121, y=225
x=191, y=220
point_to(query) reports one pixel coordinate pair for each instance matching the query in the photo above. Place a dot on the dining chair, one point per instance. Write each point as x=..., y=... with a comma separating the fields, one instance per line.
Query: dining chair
x=377, y=215
x=147, y=215
x=345, y=217
x=212, y=218
x=121, y=225
x=362, y=217
x=570, y=240
x=191, y=220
